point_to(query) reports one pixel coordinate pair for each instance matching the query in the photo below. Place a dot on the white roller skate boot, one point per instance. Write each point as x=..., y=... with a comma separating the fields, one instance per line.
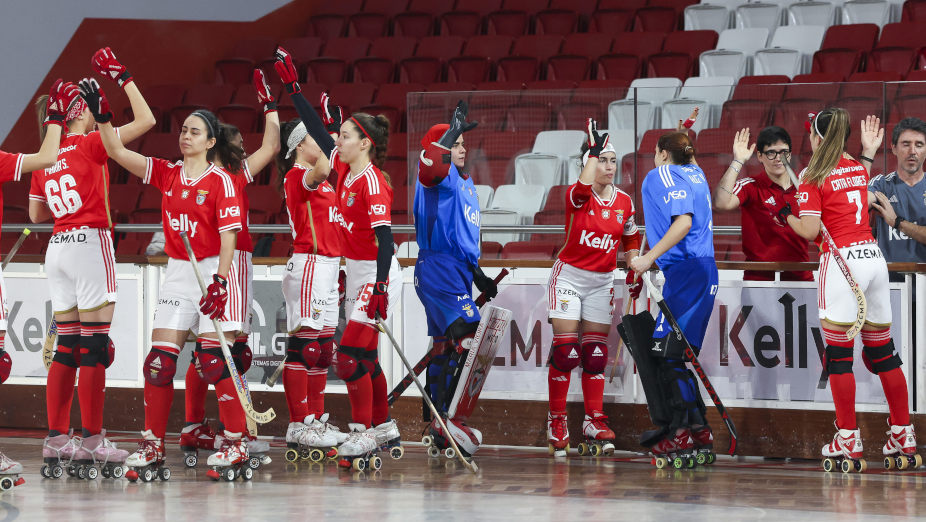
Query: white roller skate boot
x=147, y=462
x=57, y=452
x=97, y=450
x=389, y=439
x=320, y=442
x=332, y=429
x=599, y=439
x=900, y=449
x=231, y=461
x=9, y=473
x=293, y=433
x=258, y=450
x=845, y=452
x=359, y=450
x=558, y=434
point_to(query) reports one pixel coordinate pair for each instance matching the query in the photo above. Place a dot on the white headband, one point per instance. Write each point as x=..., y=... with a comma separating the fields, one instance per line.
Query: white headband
x=607, y=148
x=295, y=138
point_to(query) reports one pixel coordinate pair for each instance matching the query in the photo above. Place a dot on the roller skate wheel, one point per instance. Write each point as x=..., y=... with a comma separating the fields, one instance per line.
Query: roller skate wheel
x=396, y=452
x=917, y=461
x=79, y=473
x=92, y=473
x=316, y=455
x=427, y=440
x=191, y=460
x=332, y=454
x=594, y=450
x=254, y=462
x=678, y=463
x=359, y=464
x=376, y=463
x=132, y=475
x=118, y=472
x=609, y=450
x=248, y=473
x=450, y=453
x=45, y=471
x=434, y=451
x=229, y=474
x=57, y=471
x=701, y=459
x=147, y=475
x=105, y=472
x=164, y=474
x=829, y=464
x=689, y=462
x=583, y=449
x=6, y=483
x=344, y=463
x=291, y=455
x=71, y=470
x=551, y=449
x=213, y=474
x=265, y=460
x=711, y=458
x=861, y=465
x=304, y=454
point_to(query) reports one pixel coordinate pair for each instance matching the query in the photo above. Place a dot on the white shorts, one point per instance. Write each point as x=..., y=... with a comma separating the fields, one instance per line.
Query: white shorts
x=835, y=300
x=310, y=289
x=178, y=301
x=361, y=276
x=576, y=294
x=3, y=311
x=81, y=267
x=241, y=288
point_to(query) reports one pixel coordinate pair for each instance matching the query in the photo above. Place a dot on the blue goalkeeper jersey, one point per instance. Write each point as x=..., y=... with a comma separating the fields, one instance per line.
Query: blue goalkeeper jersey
x=447, y=217
x=674, y=190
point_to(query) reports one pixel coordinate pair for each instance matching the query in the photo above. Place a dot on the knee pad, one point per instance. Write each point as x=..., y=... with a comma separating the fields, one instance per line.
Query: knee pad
x=882, y=358
x=594, y=357
x=565, y=357
x=67, y=352
x=838, y=359
x=460, y=329
x=210, y=365
x=94, y=350
x=670, y=347
x=241, y=354
x=326, y=354
x=160, y=367
x=5, y=365
x=110, y=352
x=349, y=367
x=306, y=351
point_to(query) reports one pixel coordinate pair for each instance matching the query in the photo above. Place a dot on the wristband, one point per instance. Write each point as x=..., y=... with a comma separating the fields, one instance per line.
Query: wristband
x=124, y=78
x=737, y=161
x=270, y=107
x=897, y=222
x=866, y=158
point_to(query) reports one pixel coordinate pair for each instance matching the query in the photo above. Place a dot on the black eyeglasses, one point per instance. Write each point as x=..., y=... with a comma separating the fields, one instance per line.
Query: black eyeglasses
x=772, y=154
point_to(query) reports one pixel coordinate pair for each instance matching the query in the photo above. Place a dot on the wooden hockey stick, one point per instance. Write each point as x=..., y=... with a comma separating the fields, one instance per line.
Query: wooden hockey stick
x=429, y=355
x=241, y=384
x=470, y=464
x=620, y=340
x=860, y=302
x=692, y=358
x=19, y=243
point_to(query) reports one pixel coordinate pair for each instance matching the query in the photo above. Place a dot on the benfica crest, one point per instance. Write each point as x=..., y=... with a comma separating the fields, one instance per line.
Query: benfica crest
x=201, y=196
x=564, y=304
x=350, y=199
x=316, y=313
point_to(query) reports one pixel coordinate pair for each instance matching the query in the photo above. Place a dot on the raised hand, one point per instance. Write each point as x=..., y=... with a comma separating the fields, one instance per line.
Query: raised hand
x=742, y=150
x=105, y=63
x=458, y=125
x=264, y=96
x=286, y=70
x=872, y=135
x=597, y=141
x=96, y=100
x=332, y=116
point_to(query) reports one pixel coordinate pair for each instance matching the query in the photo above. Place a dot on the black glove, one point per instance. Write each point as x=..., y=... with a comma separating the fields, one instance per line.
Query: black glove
x=596, y=140
x=91, y=92
x=458, y=126
x=782, y=215
x=484, y=283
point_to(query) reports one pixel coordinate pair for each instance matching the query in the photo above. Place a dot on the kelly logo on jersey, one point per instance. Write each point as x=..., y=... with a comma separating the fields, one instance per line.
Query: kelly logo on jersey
x=472, y=215
x=335, y=217
x=182, y=223
x=605, y=242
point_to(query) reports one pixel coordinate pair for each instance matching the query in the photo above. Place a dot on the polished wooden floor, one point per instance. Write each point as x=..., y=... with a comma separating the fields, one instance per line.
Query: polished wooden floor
x=512, y=484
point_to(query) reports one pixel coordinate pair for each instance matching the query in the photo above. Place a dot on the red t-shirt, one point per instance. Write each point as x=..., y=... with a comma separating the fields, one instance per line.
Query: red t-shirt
x=76, y=188
x=313, y=215
x=595, y=228
x=842, y=204
x=203, y=207
x=764, y=239
x=11, y=169
x=365, y=202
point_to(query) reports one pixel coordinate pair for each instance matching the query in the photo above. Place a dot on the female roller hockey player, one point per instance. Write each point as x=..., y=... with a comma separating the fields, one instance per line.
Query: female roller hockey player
x=200, y=200
x=12, y=166
x=373, y=278
x=833, y=193
x=81, y=267
x=677, y=206
x=599, y=217
x=310, y=289
x=196, y=434
x=447, y=230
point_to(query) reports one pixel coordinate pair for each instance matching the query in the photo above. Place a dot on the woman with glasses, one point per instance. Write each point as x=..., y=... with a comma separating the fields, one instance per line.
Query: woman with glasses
x=759, y=197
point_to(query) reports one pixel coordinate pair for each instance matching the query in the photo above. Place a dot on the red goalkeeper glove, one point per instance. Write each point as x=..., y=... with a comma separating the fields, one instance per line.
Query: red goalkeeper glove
x=105, y=63
x=264, y=95
x=213, y=303
x=286, y=70
x=378, y=301
x=60, y=97
x=633, y=286
x=96, y=100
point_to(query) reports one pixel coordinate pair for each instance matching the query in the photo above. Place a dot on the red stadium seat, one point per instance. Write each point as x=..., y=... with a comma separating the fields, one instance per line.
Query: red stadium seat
x=583, y=7
x=916, y=75
x=658, y=19
x=592, y=45
x=253, y=49
x=614, y=89
x=853, y=36
x=528, y=118
x=180, y=113
x=245, y=117
x=471, y=69
x=302, y=48
x=550, y=85
x=859, y=108
x=394, y=48
x=914, y=11
x=387, y=7
x=123, y=198
x=793, y=114
x=132, y=245
x=326, y=70
x=837, y=61
x=556, y=199
x=737, y=114
x=264, y=198
x=540, y=46
x=349, y=48
x=483, y=7
x=518, y=69
x=819, y=78
x=573, y=115
x=621, y=4
x=209, y=95
x=529, y=250
x=161, y=145
x=395, y=115
x=352, y=94
x=396, y=94
x=557, y=21
x=281, y=246
x=374, y=70
x=670, y=65
x=642, y=45
x=636, y=166
x=611, y=21
x=618, y=67
x=568, y=67
x=769, y=88
x=716, y=141
x=433, y=7
x=891, y=59
x=692, y=43
x=442, y=47
x=421, y=70
x=493, y=172
x=415, y=24
x=368, y=25
x=490, y=250
x=508, y=23
x=397, y=147
x=506, y=145
x=342, y=7
x=492, y=47
x=903, y=34
x=327, y=26
x=460, y=23
x=651, y=137
x=234, y=71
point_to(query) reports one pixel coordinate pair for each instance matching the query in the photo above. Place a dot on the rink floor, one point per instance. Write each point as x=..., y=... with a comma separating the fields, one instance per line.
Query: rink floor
x=512, y=484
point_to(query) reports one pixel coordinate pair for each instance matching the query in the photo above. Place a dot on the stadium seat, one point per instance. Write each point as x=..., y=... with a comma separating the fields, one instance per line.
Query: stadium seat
x=538, y=169
x=492, y=47
x=583, y=7
x=556, y=21
x=396, y=94
x=747, y=40
x=618, y=67
x=508, y=23
x=611, y=21
x=568, y=67
x=669, y=64
x=692, y=43
x=493, y=216
x=656, y=90
x=680, y=108
x=483, y=7
x=778, y=61
x=471, y=69
x=352, y=94
x=245, y=117
x=421, y=69
x=344, y=7
x=891, y=59
x=373, y=70
x=539, y=46
x=407, y=249
x=805, y=39
x=855, y=36
x=913, y=11
x=484, y=193
x=587, y=44
x=770, y=88
x=209, y=95
x=394, y=48
x=440, y=46
x=518, y=69
x=621, y=115
x=526, y=200
x=655, y=18
x=368, y=25
x=529, y=118
x=624, y=143
x=837, y=61
x=737, y=114
x=233, y=71
x=706, y=17
x=714, y=90
x=433, y=7
x=792, y=115
x=460, y=23
x=328, y=26
x=866, y=12
x=641, y=45
x=326, y=70
x=414, y=24
x=725, y=63
x=490, y=249
x=812, y=13
x=530, y=249
x=621, y=4
x=903, y=34
x=761, y=15
x=572, y=115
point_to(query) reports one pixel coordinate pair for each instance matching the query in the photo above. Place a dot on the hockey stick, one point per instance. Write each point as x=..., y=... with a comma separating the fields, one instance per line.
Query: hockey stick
x=430, y=354
x=620, y=340
x=19, y=243
x=861, y=304
x=470, y=464
x=241, y=384
x=692, y=358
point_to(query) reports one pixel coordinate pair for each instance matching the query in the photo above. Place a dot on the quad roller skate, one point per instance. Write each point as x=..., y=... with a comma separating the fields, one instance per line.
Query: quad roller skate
x=314, y=441
x=900, y=449
x=677, y=450
x=257, y=449
x=467, y=439
x=98, y=451
x=147, y=463
x=359, y=451
x=703, y=439
x=194, y=438
x=558, y=434
x=599, y=439
x=232, y=460
x=58, y=454
x=9, y=473
x=389, y=439
x=845, y=452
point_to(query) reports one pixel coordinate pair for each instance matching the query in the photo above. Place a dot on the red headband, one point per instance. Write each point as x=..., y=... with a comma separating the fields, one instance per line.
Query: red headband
x=364, y=131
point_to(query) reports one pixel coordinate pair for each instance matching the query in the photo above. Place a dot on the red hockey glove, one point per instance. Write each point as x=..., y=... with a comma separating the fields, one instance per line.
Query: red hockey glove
x=633, y=286
x=597, y=141
x=264, y=95
x=332, y=116
x=59, y=99
x=378, y=301
x=286, y=70
x=96, y=100
x=104, y=62
x=213, y=303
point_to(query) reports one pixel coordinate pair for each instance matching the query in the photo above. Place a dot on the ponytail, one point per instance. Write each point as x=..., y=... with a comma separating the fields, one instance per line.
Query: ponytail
x=41, y=112
x=283, y=163
x=376, y=128
x=833, y=126
x=678, y=145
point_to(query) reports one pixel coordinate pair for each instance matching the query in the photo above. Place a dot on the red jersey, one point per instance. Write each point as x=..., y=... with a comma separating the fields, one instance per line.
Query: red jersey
x=764, y=239
x=313, y=215
x=365, y=202
x=241, y=180
x=841, y=203
x=76, y=188
x=595, y=228
x=203, y=207
x=11, y=169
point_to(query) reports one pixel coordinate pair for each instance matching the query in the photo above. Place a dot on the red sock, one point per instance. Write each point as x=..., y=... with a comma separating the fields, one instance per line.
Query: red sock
x=230, y=409
x=58, y=396
x=295, y=377
x=90, y=386
x=158, y=400
x=361, y=336
x=380, y=412
x=893, y=381
x=558, y=382
x=360, y=393
x=100, y=386
x=317, y=379
x=194, y=399
x=593, y=384
x=842, y=385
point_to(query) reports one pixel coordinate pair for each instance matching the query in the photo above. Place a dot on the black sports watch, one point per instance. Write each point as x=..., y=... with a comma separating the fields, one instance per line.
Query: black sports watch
x=897, y=222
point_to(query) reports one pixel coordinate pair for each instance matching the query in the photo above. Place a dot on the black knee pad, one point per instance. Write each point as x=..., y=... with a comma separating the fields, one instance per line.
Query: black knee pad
x=682, y=394
x=838, y=359
x=327, y=352
x=67, y=350
x=460, y=329
x=94, y=350
x=882, y=358
x=350, y=365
